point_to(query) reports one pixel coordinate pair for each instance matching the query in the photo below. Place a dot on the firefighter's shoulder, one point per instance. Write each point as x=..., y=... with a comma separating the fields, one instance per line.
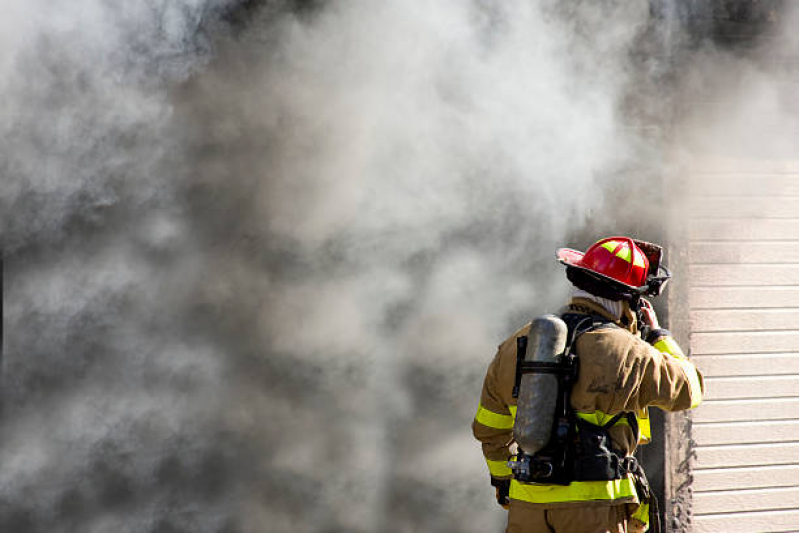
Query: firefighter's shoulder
x=508, y=347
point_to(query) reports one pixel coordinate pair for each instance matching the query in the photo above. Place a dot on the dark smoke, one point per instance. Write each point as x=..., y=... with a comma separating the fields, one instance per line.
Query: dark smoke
x=259, y=254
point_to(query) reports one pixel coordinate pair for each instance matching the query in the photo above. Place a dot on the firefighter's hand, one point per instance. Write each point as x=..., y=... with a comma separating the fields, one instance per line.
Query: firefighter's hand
x=648, y=315
x=502, y=487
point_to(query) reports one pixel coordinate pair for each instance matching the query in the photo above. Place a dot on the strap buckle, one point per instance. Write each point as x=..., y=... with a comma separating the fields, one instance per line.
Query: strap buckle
x=628, y=465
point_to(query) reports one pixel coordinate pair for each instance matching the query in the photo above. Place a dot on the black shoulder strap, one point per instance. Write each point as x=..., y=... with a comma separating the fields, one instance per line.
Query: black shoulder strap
x=632, y=421
x=579, y=323
x=612, y=422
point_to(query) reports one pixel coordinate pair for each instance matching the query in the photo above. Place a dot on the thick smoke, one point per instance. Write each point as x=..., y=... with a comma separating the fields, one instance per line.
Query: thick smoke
x=259, y=256
x=394, y=208
x=744, y=104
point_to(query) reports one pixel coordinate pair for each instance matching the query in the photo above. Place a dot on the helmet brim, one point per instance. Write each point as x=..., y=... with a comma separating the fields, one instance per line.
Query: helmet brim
x=570, y=257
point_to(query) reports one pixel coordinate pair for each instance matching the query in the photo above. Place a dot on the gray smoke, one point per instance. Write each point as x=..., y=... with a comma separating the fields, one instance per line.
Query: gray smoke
x=258, y=255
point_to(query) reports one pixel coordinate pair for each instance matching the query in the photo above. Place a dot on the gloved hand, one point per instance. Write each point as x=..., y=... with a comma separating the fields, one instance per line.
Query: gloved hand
x=502, y=487
x=648, y=315
x=651, y=330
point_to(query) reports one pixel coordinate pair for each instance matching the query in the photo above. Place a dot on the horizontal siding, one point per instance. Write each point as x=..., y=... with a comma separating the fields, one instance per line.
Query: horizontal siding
x=743, y=275
x=743, y=267
x=720, y=166
x=743, y=230
x=745, y=206
x=740, y=184
x=716, y=433
x=727, y=388
x=737, y=252
x=730, y=501
x=738, y=455
x=748, y=364
x=748, y=409
x=744, y=298
x=745, y=342
x=780, y=521
x=744, y=320
x=715, y=479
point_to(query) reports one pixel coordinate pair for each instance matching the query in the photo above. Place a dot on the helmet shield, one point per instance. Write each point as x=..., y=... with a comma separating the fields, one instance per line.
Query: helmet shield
x=658, y=274
x=653, y=253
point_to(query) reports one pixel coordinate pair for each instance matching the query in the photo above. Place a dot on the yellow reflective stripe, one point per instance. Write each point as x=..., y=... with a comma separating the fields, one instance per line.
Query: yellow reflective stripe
x=625, y=252
x=492, y=419
x=610, y=246
x=598, y=418
x=576, y=491
x=693, y=380
x=669, y=346
x=498, y=468
x=644, y=427
x=512, y=409
x=642, y=514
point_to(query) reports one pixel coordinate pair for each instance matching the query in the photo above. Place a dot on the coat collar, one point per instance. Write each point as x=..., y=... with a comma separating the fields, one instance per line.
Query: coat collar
x=585, y=306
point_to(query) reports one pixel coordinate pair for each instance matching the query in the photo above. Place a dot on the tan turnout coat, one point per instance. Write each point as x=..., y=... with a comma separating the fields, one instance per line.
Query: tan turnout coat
x=618, y=372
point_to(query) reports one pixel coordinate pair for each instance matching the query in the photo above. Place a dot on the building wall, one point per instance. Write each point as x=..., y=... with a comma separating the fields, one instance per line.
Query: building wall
x=743, y=307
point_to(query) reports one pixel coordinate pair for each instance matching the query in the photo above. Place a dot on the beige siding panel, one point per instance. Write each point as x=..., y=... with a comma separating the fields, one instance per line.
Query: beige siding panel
x=744, y=320
x=714, y=479
x=743, y=268
x=748, y=364
x=744, y=298
x=745, y=207
x=714, y=434
x=743, y=275
x=781, y=453
x=747, y=410
x=748, y=522
x=738, y=184
x=721, y=388
x=737, y=229
x=745, y=342
x=708, y=167
x=736, y=252
x=753, y=500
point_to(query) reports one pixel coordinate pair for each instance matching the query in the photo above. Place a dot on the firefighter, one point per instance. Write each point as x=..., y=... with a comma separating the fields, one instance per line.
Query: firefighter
x=620, y=376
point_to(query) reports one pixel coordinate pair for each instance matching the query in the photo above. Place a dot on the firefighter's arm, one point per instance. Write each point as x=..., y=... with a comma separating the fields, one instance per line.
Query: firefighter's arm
x=493, y=424
x=669, y=380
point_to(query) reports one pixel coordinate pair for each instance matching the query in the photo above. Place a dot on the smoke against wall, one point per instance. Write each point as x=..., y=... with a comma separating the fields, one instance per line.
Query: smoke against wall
x=258, y=259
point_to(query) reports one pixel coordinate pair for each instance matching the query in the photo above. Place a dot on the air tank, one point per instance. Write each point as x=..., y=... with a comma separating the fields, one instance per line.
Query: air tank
x=538, y=392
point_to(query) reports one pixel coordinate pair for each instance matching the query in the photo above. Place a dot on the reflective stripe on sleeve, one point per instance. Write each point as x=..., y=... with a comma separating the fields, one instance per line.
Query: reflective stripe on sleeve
x=693, y=381
x=498, y=468
x=492, y=419
x=576, y=491
x=669, y=346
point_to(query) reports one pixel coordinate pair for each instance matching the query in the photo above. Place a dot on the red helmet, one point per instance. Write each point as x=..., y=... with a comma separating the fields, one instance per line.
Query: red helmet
x=617, y=258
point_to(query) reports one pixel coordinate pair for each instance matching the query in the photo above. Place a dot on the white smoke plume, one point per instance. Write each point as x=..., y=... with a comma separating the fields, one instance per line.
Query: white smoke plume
x=258, y=255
